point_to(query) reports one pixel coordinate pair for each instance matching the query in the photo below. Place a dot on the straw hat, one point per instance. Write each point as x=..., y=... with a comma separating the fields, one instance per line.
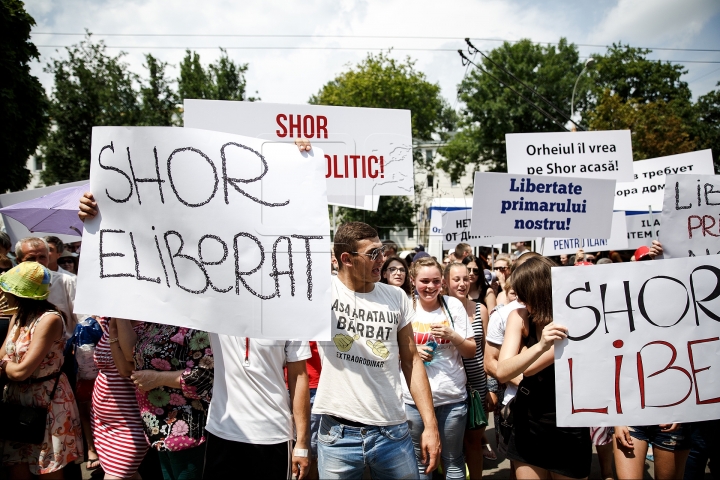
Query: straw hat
x=27, y=280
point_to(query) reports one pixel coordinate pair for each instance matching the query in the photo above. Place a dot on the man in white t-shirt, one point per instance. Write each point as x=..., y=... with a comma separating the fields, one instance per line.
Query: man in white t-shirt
x=363, y=419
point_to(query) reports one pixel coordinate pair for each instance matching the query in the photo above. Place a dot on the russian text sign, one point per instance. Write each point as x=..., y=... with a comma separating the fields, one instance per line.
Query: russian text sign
x=207, y=230
x=600, y=154
x=456, y=229
x=367, y=151
x=552, y=207
x=643, y=344
x=640, y=229
x=568, y=246
x=691, y=216
x=649, y=185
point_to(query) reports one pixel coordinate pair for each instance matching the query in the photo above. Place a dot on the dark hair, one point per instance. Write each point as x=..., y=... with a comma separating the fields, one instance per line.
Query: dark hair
x=347, y=237
x=532, y=283
x=406, y=286
x=390, y=244
x=481, y=283
x=29, y=310
x=5, y=241
x=5, y=262
x=55, y=241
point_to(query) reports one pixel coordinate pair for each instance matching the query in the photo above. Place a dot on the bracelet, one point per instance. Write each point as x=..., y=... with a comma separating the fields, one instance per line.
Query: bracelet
x=300, y=452
x=113, y=340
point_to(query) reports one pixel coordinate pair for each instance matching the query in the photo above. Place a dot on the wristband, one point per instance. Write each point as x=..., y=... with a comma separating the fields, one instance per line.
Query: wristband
x=300, y=452
x=113, y=340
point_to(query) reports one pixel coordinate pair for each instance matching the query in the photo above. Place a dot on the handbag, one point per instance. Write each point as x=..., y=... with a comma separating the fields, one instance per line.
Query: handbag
x=26, y=424
x=476, y=417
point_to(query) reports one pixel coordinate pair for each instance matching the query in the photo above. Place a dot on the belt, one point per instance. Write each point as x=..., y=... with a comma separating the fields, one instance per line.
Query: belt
x=41, y=379
x=348, y=423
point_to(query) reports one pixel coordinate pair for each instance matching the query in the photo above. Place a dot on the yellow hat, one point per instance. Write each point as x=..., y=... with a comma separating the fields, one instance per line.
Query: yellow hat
x=27, y=280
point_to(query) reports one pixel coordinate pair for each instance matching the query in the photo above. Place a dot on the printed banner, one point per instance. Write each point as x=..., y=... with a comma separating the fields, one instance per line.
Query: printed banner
x=551, y=207
x=456, y=229
x=640, y=229
x=643, y=344
x=649, y=185
x=207, y=230
x=601, y=154
x=568, y=246
x=691, y=215
x=367, y=151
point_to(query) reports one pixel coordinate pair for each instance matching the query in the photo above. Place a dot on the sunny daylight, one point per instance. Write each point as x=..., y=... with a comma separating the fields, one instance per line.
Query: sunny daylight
x=334, y=240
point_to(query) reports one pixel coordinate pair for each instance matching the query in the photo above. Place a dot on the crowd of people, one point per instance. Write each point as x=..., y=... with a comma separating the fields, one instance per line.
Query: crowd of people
x=472, y=337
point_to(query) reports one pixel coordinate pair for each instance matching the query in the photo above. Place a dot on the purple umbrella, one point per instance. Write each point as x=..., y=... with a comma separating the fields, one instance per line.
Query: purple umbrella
x=55, y=212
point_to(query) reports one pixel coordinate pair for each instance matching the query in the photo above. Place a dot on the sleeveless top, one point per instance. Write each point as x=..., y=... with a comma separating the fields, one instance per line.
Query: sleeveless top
x=475, y=367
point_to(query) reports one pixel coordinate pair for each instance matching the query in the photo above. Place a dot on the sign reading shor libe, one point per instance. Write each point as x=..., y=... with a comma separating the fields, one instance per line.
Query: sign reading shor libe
x=207, y=230
x=643, y=344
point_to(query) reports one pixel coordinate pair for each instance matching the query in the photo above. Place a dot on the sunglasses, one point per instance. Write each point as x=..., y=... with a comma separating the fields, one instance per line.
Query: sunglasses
x=502, y=269
x=374, y=253
x=397, y=269
x=474, y=271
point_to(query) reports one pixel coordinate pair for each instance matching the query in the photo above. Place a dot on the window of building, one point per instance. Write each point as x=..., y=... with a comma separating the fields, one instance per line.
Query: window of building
x=38, y=163
x=430, y=181
x=411, y=232
x=454, y=183
x=428, y=155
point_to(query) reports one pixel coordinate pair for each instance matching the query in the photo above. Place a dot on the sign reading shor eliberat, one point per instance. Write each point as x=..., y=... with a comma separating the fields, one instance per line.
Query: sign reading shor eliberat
x=367, y=151
x=643, y=344
x=691, y=216
x=207, y=230
x=554, y=207
x=601, y=154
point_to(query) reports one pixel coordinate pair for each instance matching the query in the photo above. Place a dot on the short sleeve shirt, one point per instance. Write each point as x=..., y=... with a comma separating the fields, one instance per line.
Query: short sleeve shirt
x=360, y=379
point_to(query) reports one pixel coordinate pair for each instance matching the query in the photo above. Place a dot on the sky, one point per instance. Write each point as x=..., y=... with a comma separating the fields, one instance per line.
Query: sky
x=294, y=48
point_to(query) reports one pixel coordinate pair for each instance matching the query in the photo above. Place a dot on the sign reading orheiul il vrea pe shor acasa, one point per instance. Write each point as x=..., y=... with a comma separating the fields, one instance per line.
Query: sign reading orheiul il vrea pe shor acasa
x=643, y=345
x=367, y=151
x=601, y=154
x=207, y=230
x=551, y=207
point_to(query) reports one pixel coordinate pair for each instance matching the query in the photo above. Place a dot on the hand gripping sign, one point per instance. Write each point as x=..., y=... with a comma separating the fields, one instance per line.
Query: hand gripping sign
x=207, y=230
x=601, y=154
x=367, y=151
x=643, y=344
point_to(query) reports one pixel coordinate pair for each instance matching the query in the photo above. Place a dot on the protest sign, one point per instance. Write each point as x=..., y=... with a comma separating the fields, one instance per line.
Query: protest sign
x=367, y=151
x=207, y=230
x=552, y=207
x=568, y=246
x=691, y=215
x=643, y=344
x=456, y=229
x=640, y=229
x=601, y=154
x=649, y=185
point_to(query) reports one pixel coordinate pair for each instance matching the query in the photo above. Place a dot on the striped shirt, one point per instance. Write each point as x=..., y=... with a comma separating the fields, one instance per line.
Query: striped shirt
x=475, y=367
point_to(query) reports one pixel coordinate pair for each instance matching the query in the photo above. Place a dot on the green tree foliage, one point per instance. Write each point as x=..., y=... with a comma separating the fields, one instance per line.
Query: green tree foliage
x=380, y=81
x=707, y=126
x=158, y=105
x=91, y=89
x=222, y=80
x=492, y=110
x=23, y=105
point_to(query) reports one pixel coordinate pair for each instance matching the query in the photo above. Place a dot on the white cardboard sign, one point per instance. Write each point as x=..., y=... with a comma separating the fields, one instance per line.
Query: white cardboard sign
x=640, y=229
x=456, y=229
x=597, y=154
x=367, y=151
x=643, y=343
x=691, y=215
x=568, y=246
x=207, y=230
x=551, y=207
x=649, y=184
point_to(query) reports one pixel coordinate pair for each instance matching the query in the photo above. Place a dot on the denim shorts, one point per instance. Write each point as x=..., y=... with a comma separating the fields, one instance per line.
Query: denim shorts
x=672, y=441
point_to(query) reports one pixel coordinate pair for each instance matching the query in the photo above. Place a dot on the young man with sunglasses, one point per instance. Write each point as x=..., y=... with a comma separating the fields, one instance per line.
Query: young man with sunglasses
x=363, y=419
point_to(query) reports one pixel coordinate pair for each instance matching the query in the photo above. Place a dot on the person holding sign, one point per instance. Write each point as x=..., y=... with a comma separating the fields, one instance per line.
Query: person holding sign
x=444, y=336
x=538, y=447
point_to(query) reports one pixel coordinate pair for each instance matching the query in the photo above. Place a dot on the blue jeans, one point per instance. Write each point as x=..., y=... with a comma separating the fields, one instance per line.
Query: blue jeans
x=314, y=424
x=451, y=419
x=344, y=451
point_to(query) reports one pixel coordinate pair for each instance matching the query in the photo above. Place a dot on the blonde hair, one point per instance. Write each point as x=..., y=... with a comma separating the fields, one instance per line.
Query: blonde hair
x=416, y=266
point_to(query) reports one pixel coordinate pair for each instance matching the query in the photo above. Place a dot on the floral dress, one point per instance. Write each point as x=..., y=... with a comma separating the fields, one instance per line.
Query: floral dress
x=63, y=442
x=174, y=418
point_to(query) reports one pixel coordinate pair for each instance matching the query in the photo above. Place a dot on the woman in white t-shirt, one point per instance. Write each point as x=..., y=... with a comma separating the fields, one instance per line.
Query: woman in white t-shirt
x=443, y=334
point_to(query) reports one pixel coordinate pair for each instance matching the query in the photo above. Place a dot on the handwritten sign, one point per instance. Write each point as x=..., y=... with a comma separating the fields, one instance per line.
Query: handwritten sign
x=691, y=215
x=568, y=246
x=643, y=344
x=601, y=154
x=640, y=229
x=552, y=207
x=207, y=230
x=650, y=178
x=367, y=151
x=456, y=229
